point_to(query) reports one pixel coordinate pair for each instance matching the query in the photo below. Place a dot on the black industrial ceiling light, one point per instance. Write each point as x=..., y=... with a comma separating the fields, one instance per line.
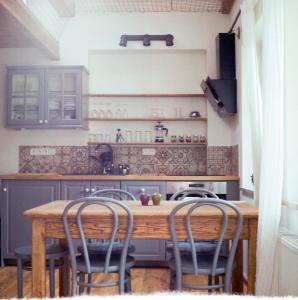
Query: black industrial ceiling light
x=146, y=39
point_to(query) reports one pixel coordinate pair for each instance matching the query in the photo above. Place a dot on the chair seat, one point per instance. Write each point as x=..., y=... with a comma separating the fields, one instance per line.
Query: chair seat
x=97, y=263
x=52, y=251
x=202, y=246
x=102, y=248
x=204, y=264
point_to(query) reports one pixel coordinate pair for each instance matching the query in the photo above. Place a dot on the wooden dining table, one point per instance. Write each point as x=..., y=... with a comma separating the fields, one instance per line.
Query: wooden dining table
x=150, y=222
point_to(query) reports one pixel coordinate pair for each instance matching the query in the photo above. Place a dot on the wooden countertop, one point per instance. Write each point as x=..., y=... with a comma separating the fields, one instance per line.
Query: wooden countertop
x=54, y=176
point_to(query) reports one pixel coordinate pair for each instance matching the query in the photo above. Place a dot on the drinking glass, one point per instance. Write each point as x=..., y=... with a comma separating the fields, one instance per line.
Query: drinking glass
x=100, y=137
x=107, y=138
x=148, y=136
x=92, y=138
x=178, y=112
x=139, y=136
x=128, y=136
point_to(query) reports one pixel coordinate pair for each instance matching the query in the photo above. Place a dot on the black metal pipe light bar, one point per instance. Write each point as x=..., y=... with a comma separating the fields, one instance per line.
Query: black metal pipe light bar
x=147, y=38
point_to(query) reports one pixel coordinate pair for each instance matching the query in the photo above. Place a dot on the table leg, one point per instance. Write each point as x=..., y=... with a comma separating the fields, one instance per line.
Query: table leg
x=62, y=276
x=237, y=282
x=252, y=250
x=38, y=259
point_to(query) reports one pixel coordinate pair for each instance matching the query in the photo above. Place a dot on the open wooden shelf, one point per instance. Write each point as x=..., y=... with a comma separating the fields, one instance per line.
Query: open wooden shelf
x=148, y=143
x=146, y=95
x=146, y=119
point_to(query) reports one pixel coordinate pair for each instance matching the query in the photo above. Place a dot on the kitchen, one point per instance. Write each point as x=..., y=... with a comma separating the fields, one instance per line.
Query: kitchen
x=130, y=88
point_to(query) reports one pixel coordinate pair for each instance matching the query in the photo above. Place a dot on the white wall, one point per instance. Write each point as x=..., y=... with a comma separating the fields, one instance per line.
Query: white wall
x=94, y=31
x=191, y=31
x=11, y=139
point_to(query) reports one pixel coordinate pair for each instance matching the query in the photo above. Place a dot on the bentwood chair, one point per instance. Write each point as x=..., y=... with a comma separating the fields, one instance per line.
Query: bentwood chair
x=186, y=194
x=193, y=192
x=211, y=264
x=56, y=258
x=200, y=246
x=107, y=262
x=114, y=193
x=102, y=246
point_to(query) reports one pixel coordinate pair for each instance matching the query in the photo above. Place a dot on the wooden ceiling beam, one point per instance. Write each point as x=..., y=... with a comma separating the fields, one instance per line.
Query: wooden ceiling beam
x=64, y=8
x=226, y=6
x=30, y=27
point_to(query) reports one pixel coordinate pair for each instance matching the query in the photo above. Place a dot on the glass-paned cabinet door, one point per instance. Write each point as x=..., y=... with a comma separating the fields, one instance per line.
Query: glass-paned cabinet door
x=63, y=96
x=25, y=97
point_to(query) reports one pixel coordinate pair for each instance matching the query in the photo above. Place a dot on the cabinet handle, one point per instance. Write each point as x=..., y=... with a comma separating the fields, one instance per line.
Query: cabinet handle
x=87, y=190
x=46, y=121
x=93, y=190
x=143, y=190
x=4, y=189
x=40, y=121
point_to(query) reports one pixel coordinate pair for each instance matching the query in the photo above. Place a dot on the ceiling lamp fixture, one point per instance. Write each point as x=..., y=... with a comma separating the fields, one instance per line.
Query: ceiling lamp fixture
x=146, y=39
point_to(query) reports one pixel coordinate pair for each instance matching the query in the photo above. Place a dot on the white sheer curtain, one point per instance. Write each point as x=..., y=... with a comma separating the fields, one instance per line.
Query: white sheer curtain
x=267, y=120
x=250, y=86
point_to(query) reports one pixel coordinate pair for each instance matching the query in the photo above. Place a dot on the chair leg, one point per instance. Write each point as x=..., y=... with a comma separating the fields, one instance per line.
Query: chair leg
x=81, y=281
x=65, y=275
x=172, y=280
x=223, y=280
x=178, y=281
x=128, y=282
x=209, y=283
x=121, y=280
x=89, y=282
x=217, y=282
x=74, y=283
x=52, y=278
x=20, y=277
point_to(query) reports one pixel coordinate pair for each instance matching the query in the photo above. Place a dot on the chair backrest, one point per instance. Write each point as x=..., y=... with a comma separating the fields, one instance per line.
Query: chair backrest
x=193, y=192
x=196, y=204
x=115, y=194
x=111, y=205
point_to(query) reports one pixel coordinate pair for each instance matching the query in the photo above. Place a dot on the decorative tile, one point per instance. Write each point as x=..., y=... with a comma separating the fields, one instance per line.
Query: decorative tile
x=222, y=160
x=235, y=160
x=168, y=160
x=163, y=155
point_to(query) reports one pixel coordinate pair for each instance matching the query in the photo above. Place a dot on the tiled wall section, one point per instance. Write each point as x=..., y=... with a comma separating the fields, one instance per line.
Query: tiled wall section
x=222, y=160
x=168, y=160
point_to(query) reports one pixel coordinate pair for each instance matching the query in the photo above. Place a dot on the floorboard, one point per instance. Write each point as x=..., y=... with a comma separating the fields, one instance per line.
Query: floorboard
x=144, y=280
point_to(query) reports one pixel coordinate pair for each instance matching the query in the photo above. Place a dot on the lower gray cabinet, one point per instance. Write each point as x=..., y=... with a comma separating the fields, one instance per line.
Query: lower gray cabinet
x=149, y=187
x=147, y=250
x=104, y=184
x=18, y=196
x=75, y=189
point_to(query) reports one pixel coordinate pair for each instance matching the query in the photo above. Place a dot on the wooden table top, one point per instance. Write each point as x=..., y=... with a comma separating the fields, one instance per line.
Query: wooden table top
x=55, y=209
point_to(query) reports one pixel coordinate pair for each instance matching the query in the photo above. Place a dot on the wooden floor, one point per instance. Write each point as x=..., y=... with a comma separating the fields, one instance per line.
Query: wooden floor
x=144, y=280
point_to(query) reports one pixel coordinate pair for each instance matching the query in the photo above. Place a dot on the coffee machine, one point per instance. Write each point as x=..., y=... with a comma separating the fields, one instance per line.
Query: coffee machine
x=160, y=132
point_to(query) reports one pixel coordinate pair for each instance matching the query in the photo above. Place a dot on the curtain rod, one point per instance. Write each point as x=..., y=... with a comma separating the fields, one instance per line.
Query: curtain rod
x=235, y=21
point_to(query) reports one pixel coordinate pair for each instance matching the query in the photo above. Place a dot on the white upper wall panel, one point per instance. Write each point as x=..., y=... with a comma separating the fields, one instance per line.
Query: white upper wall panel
x=47, y=15
x=148, y=5
x=152, y=71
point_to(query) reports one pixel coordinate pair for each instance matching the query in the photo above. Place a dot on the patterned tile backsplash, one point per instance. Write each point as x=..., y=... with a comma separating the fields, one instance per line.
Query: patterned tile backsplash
x=167, y=160
x=222, y=160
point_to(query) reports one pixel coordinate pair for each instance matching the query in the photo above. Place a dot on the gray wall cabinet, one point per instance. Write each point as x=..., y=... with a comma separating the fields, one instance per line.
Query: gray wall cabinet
x=46, y=97
x=18, y=196
x=147, y=250
x=71, y=190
